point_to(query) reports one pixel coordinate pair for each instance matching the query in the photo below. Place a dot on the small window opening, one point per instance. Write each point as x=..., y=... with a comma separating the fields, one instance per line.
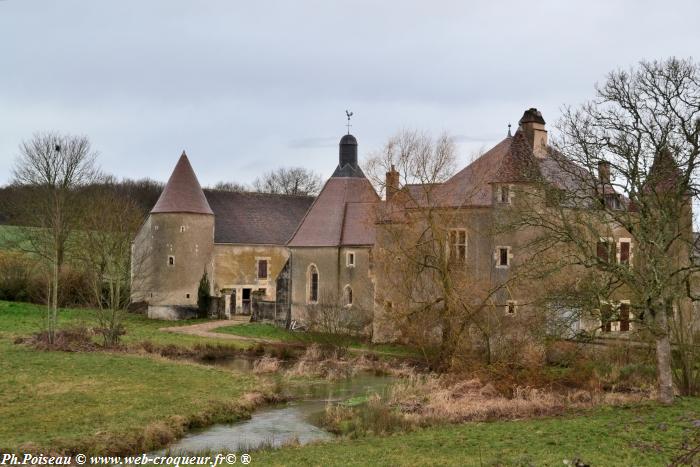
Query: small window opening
x=187, y=295
x=171, y=261
x=503, y=256
x=313, y=284
x=262, y=269
x=504, y=194
x=624, y=252
x=348, y=295
x=351, y=259
x=182, y=228
x=511, y=307
x=458, y=244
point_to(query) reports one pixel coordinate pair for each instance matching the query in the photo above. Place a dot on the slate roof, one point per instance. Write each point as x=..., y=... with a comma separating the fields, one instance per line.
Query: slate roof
x=182, y=193
x=256, y=218
x=342, y=215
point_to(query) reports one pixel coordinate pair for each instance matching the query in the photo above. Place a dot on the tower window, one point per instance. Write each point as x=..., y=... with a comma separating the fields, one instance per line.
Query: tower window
x=350, y=259
x=511, y=307
x=182, y=228
x=348, y=295
x=171, y=261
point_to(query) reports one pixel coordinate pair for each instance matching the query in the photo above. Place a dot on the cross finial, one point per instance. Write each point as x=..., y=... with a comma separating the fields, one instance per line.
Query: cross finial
x=349, y=114
x=509, y=129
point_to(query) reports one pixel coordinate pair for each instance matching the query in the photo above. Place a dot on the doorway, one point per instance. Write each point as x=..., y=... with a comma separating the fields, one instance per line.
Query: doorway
x=246, y=301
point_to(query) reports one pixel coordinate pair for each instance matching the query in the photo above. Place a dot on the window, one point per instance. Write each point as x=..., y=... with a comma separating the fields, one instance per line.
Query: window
x=612, y=201
x=348, y=295
x=503, y=256
x=625, y=250
x=313, y=284
x=262, y=269
x=187, y=295
x=504, y=194
x=605, y=250
x=171, y=261
x=511, y=307
x=624, y=317
x=606, y=318
x=458, y=244
x=182, y=228
x=350, y=259
x=388, y=306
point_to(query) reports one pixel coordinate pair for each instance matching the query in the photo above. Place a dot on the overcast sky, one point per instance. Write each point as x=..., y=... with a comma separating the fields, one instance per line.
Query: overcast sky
x=244, y=87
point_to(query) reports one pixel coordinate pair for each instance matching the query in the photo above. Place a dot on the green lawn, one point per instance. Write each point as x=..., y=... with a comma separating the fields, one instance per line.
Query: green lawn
x=646, y=435
x=60, y=398
x=50, y=398
x=271, y=332
x=22, y=319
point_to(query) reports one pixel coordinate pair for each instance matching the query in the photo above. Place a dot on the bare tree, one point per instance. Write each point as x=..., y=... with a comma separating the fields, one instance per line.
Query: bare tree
x=109, y=224
x=627, y=165
x=53, y=167
x=231, y=186
x=289, y=181
x=431, y=292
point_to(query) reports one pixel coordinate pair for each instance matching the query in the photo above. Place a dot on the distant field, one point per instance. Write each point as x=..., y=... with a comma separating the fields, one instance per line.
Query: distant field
x=11, y=236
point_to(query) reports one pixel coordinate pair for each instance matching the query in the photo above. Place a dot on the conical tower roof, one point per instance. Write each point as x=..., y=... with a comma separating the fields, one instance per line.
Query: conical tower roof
x=183, y=192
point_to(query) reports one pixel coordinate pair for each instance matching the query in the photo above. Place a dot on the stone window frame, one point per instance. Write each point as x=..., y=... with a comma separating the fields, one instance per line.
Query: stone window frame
x=348, y=255
x=499, y=194
x=257, y=267
x=508, y=305
x=171, y=260
x=497, y=256
x=309, y=285
x=453, y=248
x=615, y=325
x=348, y=296
x=618, y=247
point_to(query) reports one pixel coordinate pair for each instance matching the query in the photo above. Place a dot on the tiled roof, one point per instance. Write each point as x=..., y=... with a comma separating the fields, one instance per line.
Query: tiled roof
x=182, y=193
x=342, y=214
x=256, y=218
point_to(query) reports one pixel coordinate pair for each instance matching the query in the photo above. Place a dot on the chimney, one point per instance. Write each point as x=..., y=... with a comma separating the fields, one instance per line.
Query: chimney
x=532, y=125
x=604, y=172
x=392, y=183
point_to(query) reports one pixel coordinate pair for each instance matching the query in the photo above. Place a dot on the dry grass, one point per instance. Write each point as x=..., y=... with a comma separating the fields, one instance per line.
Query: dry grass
x=333, y=364
x=426, y=400
x=267, y=365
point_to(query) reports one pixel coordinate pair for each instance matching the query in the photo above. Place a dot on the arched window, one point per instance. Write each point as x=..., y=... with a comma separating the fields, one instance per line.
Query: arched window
x=312, y=280
x=348, y=295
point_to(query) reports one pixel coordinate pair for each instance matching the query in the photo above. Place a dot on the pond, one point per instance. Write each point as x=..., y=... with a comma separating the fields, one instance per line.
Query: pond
x=278, y=425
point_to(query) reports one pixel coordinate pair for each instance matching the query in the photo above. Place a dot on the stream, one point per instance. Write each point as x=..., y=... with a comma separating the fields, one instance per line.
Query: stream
x=281, y=424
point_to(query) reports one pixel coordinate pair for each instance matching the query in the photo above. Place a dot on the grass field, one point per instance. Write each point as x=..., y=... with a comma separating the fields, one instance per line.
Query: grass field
x=270, y=332
x=61, y=398
x=21, y=319
x=646, y=435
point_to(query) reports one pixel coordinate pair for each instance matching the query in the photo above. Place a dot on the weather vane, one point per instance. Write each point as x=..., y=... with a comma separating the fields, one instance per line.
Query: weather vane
x=349, y=114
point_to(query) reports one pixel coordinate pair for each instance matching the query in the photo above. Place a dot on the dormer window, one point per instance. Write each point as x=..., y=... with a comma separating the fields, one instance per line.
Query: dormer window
x=612, y=201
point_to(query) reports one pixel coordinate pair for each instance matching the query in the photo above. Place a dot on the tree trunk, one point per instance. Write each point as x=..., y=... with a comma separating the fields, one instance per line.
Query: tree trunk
x=663, y=359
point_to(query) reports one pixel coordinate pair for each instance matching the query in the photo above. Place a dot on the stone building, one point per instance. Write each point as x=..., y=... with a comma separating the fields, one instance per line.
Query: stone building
x=331, y=251
x=238, y=239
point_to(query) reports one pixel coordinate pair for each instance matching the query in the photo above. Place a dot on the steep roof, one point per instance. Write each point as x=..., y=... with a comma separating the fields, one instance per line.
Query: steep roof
x=256, y=218
x=343, y=214
x=182, y=193
x=509, y=161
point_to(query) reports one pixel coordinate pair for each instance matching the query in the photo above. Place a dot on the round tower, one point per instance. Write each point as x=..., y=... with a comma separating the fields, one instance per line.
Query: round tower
x=182, y=245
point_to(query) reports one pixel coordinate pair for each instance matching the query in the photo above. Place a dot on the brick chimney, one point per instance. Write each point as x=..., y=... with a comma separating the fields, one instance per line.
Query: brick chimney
x=392, y=183
x=604, y=172
x=532, y=125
